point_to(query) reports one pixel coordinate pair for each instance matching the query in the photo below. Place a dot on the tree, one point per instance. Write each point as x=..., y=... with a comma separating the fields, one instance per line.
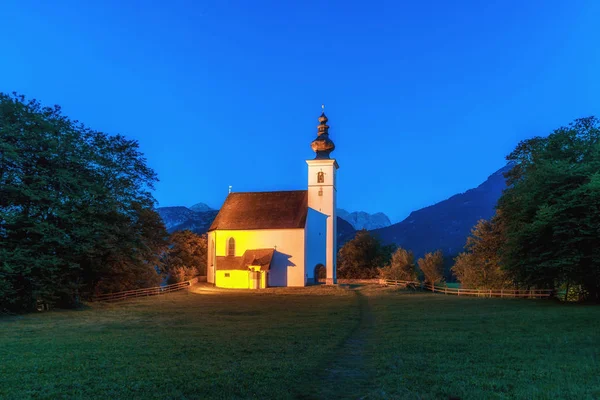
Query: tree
x=186, y=256
x=480, y=265
x=552, y=209
x=361, y=257
x=76, y=212
x=401, y=267
x=432, y=266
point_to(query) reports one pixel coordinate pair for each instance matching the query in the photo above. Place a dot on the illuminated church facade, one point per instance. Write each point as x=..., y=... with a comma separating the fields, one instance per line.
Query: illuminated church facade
x=263, y=239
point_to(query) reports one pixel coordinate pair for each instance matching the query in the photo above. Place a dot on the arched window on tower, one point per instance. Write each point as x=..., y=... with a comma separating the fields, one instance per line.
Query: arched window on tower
x=231, y=247
x=320, y=177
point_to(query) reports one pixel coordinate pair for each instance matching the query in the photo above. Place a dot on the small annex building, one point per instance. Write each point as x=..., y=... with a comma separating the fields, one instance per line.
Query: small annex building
x=281, y=238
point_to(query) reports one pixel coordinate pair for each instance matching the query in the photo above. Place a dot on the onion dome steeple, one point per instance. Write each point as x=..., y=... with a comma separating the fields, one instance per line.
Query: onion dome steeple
x=322, y=145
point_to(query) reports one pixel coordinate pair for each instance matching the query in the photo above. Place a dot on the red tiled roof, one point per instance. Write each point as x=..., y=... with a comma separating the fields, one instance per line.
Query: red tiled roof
x=263, y=210
x=260, y=257
x=256, y=257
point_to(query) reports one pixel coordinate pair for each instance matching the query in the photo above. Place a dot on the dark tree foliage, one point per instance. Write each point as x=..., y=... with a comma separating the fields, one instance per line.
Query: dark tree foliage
x=551, y=209
x=361, y=257
x=76, y=214
x=186, y=256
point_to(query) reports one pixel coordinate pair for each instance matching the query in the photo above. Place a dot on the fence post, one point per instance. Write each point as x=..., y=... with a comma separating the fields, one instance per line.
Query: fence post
x=490, y=293
x=458, y=292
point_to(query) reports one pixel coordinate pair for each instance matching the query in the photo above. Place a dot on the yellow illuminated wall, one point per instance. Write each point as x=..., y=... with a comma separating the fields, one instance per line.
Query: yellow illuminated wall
x=287, y=266
x=239, y=279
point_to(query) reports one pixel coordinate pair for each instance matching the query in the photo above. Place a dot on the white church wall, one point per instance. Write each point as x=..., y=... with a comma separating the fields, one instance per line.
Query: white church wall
x=316, y=241
x=210, y=265
x=287, y=266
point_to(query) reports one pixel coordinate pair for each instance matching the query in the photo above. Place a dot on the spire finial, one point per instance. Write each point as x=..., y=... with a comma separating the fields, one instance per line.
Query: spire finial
x=322, y=145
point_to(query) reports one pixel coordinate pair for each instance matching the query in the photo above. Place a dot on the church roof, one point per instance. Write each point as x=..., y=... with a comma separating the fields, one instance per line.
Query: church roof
x=263, y=210
x=255, y=257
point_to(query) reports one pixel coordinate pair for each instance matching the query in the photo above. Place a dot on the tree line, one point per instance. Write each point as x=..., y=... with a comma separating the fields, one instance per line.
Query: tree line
x=366, y=257
x=76, y=212
x=545, y=233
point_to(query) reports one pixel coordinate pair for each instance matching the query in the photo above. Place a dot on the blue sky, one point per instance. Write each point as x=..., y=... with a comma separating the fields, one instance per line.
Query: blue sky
x=424, y=98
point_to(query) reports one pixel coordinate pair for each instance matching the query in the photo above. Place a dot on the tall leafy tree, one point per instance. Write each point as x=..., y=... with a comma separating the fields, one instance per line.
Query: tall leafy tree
x=361, y=257
x=401, y=267
x=432, y=266
x=76, y=212
x=186, y=256
x=552, y=209
x=480, y=266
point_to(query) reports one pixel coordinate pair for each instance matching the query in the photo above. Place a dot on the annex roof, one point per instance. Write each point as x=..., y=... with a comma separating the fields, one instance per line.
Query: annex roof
x=263, y=210
x=253, y=257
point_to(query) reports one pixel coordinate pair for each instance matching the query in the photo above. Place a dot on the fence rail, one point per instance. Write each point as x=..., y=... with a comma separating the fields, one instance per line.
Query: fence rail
x=532, y=293
x=153, y=291
x=394, y=282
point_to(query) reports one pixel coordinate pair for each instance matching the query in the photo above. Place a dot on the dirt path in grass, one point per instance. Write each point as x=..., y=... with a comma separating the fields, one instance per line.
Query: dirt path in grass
x=347, y=376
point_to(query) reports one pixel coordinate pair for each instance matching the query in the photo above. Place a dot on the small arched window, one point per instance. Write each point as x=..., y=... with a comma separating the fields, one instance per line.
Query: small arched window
x=231, y=247
x=320, y=177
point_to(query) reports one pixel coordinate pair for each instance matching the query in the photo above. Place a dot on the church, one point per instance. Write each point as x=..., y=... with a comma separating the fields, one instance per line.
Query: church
x=264, y=239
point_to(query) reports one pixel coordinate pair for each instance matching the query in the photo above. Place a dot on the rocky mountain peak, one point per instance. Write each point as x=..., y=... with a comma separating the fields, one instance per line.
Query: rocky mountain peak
x=363, y=220
x=201, y=207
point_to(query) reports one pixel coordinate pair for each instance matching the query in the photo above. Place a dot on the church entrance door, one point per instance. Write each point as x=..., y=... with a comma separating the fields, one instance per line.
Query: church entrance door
x=320, y=274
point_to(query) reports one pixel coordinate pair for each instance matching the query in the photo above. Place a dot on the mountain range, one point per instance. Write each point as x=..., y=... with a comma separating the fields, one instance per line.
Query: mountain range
x=447, y=224
x=363, y=220
x=198, y=218
x=444, y=225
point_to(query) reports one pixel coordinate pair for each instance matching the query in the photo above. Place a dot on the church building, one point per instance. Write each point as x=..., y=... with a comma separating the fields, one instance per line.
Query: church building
x=262, y=239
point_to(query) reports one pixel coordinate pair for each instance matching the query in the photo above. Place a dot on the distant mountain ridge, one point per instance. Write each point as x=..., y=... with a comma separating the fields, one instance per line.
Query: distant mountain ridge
x=201, y=207
x=363, y=220
x=179, y=218
x=199, y=217
x=447, y=224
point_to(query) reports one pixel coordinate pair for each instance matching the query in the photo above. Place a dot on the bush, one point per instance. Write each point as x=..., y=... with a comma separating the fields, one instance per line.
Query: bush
x=402, y=266
x=432, y=266
x=361, y=257
x=186, y=256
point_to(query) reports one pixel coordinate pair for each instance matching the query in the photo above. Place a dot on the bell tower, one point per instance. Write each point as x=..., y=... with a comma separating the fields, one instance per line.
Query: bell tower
x=322, y=191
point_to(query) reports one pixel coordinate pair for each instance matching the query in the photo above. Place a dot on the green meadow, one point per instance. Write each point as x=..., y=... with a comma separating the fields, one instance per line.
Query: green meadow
x=307, y=343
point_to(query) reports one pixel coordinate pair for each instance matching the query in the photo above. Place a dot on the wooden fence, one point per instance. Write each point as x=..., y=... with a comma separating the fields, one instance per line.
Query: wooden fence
x=533, y=293
x=153, y=291
x=373, y=281
x=394, y=282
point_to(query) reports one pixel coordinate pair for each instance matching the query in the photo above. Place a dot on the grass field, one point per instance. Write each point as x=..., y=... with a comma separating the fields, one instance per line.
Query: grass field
x=318, y=342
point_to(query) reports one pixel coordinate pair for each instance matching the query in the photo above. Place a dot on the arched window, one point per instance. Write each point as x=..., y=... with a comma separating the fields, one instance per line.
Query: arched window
x=320, y=177
x=231, y=247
